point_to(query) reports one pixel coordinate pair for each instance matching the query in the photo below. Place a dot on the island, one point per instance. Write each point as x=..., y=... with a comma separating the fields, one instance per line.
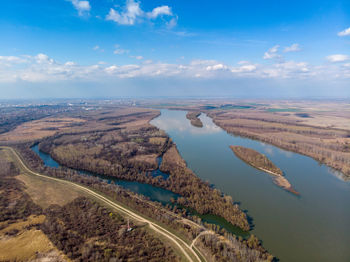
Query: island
x=193, y=117
x=261, y=162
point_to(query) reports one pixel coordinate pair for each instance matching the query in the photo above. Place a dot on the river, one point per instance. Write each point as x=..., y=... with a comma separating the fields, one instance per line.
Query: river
x=314, y=226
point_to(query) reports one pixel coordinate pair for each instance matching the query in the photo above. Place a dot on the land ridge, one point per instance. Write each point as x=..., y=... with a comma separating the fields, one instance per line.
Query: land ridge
x=194, y=118
x=261, y=162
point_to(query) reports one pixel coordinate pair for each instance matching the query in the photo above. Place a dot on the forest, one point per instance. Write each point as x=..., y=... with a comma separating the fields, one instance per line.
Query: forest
x=122, y=143
x=85, y=231
x=130, y=154
x=169, y=215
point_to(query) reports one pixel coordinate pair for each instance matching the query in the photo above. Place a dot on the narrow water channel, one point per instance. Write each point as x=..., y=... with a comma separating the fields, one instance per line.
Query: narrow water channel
x=154, y=193
x=314, y=226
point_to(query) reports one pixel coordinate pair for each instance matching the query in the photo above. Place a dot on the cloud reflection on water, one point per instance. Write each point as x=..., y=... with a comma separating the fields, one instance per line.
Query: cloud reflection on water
x=183, y=125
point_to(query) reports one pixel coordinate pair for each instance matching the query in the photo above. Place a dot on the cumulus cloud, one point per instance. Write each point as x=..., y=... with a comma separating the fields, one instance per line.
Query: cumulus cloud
x=345, y=32
x=159, y=11
x=42, y=68
x=133, y=13
x=43, y=59
x=83, y=7
x=128, y=16
x=337, y=58
x=272, y=53
x=292, y=48
x=216, y=67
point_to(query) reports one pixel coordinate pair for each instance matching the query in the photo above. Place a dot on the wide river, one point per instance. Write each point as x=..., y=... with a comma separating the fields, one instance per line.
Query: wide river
x=314, y=226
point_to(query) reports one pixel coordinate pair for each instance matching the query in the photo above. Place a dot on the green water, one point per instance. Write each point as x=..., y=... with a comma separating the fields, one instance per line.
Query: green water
x=312, y=227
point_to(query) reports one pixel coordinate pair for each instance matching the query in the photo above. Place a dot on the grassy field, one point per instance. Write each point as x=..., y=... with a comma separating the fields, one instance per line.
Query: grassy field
x=45, y=193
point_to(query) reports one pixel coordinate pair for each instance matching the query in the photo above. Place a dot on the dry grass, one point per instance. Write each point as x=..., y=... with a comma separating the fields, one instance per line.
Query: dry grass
x=151, y=159
x=45, y=193
x=157, y=140
x=39, y=128
x=173, y=158
x=28, y=244
x=21, y=225
x=25, y=246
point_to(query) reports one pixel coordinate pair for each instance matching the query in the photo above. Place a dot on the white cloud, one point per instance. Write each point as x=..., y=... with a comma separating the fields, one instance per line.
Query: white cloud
x=292, y=48
x=337, y=58
x=245, y=68
x=133, y=13
x=11, y=59
x=42, y=68
x=119, y=51
x=345, y=32
x=70, y=63
x=272, y=53
x=43, y=59
x=216, y=67
x=96, y=47
x=159, y=11
x=83, y=7
x=128, y=16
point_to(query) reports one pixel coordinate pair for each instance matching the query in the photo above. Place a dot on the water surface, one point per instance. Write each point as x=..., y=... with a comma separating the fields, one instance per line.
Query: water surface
x=154, y=193
x=312, y=227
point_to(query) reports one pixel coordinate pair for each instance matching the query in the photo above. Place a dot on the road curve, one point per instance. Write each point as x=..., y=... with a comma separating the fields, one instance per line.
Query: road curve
x=130, y=213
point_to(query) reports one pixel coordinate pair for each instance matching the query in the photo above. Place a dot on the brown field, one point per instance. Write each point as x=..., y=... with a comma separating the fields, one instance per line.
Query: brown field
x=151, y=159
x=38, y=129
x=45, y=193
x=28, y=245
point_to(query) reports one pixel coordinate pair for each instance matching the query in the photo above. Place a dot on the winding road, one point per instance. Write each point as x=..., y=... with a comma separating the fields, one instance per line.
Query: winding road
x=186, y=249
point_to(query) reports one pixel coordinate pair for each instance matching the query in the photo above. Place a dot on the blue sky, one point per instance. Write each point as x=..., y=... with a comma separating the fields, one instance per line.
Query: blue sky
x=110, y=48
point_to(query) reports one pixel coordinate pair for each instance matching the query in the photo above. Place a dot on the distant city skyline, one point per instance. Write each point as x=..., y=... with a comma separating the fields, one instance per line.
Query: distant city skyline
x=116, y=48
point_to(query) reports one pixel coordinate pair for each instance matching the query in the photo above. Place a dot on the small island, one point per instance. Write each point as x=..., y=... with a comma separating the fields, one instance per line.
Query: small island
x=261, y=162
x=193, y=117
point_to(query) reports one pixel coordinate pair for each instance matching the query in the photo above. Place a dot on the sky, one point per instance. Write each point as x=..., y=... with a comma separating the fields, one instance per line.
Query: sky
x=167, y=48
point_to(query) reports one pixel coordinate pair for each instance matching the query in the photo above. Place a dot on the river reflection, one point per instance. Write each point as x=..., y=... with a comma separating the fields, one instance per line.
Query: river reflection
x=312, y=227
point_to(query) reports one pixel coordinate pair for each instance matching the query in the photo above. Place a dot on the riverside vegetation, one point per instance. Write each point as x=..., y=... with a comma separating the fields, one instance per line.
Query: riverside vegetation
x=140, y=145
x=327, y=145
x=219, y=245
x=130, y=152
x=70, y=228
